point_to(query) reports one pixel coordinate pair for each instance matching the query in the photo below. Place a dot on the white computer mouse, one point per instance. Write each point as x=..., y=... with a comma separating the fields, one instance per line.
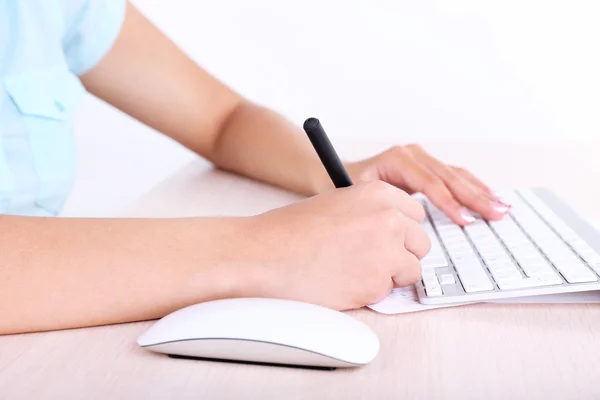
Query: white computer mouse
x=269, y=331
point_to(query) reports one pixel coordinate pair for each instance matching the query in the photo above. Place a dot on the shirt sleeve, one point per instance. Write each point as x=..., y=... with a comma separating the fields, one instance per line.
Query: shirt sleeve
x=92, y=26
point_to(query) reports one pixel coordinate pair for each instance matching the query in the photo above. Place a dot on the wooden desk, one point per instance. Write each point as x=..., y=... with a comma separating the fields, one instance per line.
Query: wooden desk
x=469, y=352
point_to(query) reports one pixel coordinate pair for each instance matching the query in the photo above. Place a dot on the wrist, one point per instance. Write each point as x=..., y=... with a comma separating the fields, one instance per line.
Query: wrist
x=248, y=266
x=219, y=266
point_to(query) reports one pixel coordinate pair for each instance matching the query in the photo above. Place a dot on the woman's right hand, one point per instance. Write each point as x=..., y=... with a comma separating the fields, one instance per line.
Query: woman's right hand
x=343, y=249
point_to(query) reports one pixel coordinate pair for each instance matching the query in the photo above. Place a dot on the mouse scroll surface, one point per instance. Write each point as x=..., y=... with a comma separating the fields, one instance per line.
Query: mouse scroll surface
x=265, y=331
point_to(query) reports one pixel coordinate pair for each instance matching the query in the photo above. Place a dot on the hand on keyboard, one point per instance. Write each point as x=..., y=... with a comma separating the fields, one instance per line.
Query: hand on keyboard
x=452, y=189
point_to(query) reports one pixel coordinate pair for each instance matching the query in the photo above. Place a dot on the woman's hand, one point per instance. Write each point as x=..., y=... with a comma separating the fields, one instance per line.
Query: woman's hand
x=342, y=249
x=452, y=189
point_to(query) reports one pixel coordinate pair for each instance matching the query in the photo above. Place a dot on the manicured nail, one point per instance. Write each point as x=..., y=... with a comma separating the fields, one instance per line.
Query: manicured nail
x=466, y=216
x=500, y=207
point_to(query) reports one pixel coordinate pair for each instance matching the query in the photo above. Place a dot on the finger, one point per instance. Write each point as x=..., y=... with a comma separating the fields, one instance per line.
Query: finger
x=411, y=208
x=439, y=195
x=409, y=271
x=416, y=240
x=424, y=181
x=411, y=173
x=473, y=179
x=474, y=197
x=462, y=190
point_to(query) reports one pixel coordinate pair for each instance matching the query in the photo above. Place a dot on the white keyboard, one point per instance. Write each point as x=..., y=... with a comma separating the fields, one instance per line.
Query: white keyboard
x=541, y=247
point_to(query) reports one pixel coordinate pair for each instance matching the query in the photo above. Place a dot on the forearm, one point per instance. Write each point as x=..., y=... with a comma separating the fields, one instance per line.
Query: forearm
x=65, y=273
x=259, y=143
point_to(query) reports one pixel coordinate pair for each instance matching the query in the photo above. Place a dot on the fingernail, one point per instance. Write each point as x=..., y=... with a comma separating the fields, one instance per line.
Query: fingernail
x=466, y=216
x=500, y=207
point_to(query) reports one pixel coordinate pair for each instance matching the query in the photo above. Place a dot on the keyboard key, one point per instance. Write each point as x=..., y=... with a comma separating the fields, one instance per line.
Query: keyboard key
x=590, y=256
x=533, y=272
x=478, y=274
x=488, y=253
x=470, y=268
x=536, y=265
x=474, y=275
x=430, y=280
x=452, y=290
x=447, y=279
x=465, y=259
x=526, y=253
x=569, y=264
x=427, y=275
x=507, y=275
x=560, y=255
x=434, y=262
x=502, y=267
x=433, y=290
x=581, y=275
x=503, y=259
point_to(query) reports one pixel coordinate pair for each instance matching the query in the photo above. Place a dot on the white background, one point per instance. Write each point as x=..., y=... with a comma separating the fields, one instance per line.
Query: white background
x=421, y=71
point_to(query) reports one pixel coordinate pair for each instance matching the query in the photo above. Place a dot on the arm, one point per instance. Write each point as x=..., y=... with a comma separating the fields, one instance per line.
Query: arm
x=62, y=273
x=148, y=77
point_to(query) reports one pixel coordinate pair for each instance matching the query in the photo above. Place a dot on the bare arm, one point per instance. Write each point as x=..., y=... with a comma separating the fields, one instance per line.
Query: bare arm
x=62, y=273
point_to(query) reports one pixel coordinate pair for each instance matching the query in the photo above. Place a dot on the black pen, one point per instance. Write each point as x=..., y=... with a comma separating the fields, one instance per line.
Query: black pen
x=332, y=163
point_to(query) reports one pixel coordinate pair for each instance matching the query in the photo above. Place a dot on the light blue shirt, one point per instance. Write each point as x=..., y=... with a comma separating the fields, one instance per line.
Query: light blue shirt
x=44, y=46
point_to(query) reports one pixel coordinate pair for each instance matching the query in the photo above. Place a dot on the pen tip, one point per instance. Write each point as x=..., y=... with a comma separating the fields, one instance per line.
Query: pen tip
x=311, y=124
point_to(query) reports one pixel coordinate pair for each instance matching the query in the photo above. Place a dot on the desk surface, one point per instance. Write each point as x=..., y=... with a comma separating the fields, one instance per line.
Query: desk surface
x=468, y=352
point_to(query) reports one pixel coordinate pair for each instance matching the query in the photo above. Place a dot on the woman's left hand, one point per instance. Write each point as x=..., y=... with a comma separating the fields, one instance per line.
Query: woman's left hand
x=452, y=189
